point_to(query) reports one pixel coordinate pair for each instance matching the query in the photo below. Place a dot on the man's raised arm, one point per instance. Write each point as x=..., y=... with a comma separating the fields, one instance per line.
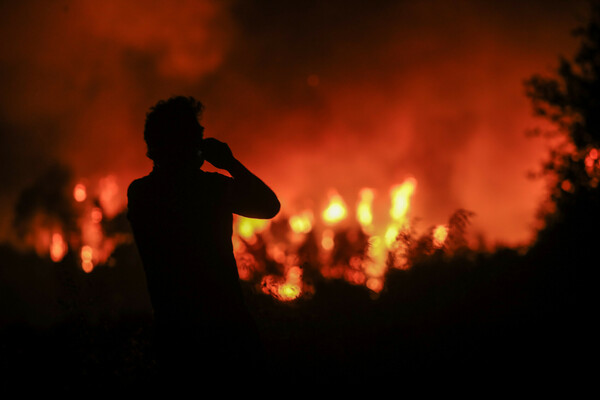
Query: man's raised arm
x=251, y=197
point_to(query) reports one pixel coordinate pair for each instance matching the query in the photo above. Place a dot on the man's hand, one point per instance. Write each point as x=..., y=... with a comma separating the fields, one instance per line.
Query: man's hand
x=217, y=153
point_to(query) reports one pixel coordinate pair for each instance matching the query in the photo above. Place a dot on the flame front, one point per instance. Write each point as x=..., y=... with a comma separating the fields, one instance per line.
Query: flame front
x=401, y=195
x=356, y=250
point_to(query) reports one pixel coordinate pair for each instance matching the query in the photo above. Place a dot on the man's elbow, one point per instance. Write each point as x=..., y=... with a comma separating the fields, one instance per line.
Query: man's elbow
x=273, y=208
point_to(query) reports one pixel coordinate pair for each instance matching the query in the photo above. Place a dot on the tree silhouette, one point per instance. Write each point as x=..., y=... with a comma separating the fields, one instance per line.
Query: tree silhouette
x=570, y=100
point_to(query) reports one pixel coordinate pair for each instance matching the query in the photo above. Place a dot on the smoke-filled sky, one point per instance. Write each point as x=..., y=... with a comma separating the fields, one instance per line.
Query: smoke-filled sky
x=311, y=95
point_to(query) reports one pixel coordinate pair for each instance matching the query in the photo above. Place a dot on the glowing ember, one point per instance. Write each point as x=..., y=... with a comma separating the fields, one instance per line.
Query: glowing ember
x=86, y=259
x=566, y=185
x=245, y=265
x=58, y=247
x=286, y=289
x=375, y=284
x=96, y=215
x=440, y=233
x=292, y=287
x=79, y=192
x=592, y=166
x=336, y=210
x=327, y=240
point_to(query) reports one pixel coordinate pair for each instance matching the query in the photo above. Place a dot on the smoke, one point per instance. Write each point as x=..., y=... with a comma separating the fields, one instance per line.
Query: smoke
x=310, y=95
x=78, y=77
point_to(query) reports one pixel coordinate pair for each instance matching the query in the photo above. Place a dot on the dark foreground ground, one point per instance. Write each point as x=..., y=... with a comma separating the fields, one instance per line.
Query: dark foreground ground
x=503, y=316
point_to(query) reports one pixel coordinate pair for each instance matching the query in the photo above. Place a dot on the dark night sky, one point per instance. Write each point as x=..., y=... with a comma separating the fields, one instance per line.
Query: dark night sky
x=311, y=95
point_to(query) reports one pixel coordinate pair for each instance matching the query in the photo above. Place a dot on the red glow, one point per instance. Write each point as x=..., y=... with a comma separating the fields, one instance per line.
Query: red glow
x=433, y=93
x=96, y=215
x=86, y=259
x=79, y=192
x=58, y=247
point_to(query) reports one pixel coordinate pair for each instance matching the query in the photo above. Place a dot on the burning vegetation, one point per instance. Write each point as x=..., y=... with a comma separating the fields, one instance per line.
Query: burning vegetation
x=280, y=257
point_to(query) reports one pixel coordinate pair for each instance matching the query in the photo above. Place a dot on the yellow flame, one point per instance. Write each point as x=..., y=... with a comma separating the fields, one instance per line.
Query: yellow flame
x=247, y=228
x=292, y=288
x=301, y=223
x=335, y=211
x=440, y=233
x=289, y=291
x=391, y=234
x=401, y=195
x=286, y=289
x=364, y=215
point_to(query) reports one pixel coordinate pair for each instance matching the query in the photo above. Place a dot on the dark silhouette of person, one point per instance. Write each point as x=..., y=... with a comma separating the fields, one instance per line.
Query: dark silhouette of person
x=182, y=218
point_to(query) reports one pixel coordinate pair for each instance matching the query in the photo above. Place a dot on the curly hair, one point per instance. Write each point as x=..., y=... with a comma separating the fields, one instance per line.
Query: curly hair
x=172, y=128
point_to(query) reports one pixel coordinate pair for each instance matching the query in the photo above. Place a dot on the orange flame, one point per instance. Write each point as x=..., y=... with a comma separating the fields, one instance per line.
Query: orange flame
x=401, y=195
x=79, y=192
x=285, y=290
x=86, y=259
x=440, y=233
x=302, y=223
x=336, y=210
x=364, y=214
x=58, y=247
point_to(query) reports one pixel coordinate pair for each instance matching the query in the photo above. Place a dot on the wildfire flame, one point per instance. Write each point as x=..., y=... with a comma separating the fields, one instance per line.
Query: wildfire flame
x=302, y=223
x=401, y=195
x=248, y=228
x=440, y=233
x=86, y=258
x=58, y=247
x=364, y=213
x=336, y=210
x=79, y=193
x=359, y=267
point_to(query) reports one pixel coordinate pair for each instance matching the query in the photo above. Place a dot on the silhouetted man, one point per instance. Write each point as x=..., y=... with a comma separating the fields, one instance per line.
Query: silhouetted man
x=182, y=221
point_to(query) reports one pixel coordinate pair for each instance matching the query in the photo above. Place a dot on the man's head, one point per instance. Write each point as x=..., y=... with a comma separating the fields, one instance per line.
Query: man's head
x=172, y=132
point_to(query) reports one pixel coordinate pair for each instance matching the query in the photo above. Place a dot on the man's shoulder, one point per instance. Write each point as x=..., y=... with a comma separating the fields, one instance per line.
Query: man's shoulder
x=138, y=184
